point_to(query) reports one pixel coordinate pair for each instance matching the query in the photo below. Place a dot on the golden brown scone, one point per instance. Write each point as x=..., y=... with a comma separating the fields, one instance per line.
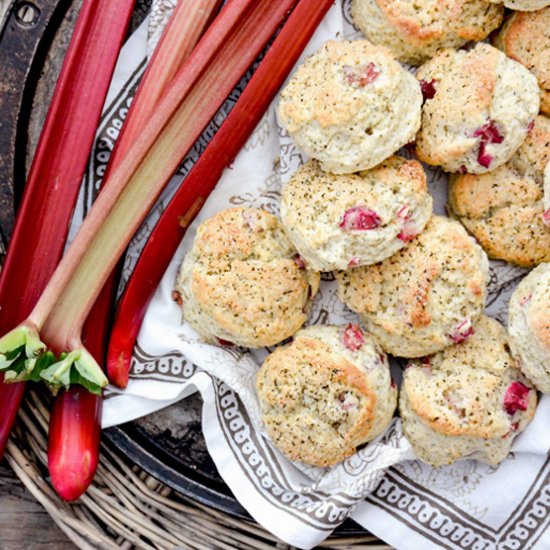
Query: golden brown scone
x=523, y=5
x=350, y=105
x=529, y=326
x=325, y=394
x=525, y=37
x=504, y=208
x=478, y=109
x=342, y=221
x=467, y=401
x=415, y=30
x=242, y=283
x=426, y=296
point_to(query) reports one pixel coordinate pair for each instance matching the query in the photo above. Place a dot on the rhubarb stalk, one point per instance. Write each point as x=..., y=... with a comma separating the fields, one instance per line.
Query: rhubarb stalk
x=54, y=179
x=202, y=179
x=224, y=53
x=75, y=421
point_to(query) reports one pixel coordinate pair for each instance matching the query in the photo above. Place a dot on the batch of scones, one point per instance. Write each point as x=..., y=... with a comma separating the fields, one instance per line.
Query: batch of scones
x=417, y=281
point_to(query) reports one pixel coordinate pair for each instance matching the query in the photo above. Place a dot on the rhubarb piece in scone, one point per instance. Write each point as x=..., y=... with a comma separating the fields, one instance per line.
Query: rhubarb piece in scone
x=467, y=401
x=415, y=30
x=481, y=111
x=525, y=37
x=523, y=5
x=425, y=297
x=241, y=283
x=504, y=209
x=349, y=220
x=325, y=394
x=350, y=105
x=529, y=326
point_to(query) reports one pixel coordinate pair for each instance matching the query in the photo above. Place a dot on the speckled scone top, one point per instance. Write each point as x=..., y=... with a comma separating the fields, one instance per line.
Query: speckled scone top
x=426, y=296
x=350, y=106
x=525, y=37
x=478, y=110
x=529, y=326
x=504, y=208
x=523, y=5
x=415, y=30
x=241, y=282
x=343, y=221
x=468, y=401
x=325, y=394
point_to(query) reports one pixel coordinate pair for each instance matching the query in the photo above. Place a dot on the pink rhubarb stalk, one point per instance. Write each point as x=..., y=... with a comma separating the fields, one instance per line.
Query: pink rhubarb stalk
x=75, y=421
x=54, y=179
x=230, y=45
x=200, y=182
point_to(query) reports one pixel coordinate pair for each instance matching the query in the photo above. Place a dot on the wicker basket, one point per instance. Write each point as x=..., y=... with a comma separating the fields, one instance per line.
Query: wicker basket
x=127, y=508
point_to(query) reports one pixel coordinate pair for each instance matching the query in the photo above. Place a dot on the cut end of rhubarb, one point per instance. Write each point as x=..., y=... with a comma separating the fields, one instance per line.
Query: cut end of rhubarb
x=75, y=367
x=118, y=369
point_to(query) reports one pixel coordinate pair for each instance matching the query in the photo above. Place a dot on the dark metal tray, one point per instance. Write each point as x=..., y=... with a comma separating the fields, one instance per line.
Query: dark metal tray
x=168, y=444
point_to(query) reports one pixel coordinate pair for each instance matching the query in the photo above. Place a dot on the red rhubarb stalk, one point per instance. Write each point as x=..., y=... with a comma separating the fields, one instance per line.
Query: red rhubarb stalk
x=54, y=180
x=202, y=179
x=228, y=48
x=75, y=422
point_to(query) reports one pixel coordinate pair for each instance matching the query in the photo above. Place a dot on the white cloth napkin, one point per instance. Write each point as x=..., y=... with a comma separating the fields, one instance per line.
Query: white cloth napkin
x=382, y=487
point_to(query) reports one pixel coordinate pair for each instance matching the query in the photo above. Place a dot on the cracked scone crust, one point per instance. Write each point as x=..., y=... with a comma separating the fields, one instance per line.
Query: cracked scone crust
x=525, y=37
x=523, y=5
x=325, y=394
x=241, y=283
x=480, y=111
x=504, y=208
x=426, y=296
x=529, y=326
x=350, y=105
x=414, y=31
x=338, y=221
x=468, y=401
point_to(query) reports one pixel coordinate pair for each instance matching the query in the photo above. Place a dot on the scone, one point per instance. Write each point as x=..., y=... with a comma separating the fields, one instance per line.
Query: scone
x=529, y=326
x=242, y=282
x=504, y=209
x=525, y=37
x=425, y=297
x=415, y=30
x=325, y=394
x=467, y=401
x=478, y=109
x=350, y=106
x=344, y=221
x=523, y=5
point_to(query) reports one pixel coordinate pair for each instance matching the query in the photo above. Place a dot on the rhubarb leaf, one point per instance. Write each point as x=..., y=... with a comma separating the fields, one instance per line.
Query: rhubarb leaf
x=21, y=352
x=76, y=367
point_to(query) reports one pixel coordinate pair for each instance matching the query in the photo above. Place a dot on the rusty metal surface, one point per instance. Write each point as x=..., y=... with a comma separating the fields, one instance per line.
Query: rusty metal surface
x=25, y=38
x=33, y=41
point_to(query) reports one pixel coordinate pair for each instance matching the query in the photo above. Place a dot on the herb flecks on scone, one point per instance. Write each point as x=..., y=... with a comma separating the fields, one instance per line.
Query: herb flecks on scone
x=325, y=394
x=467, y=401
x=415, y=30
x=344, y=221
x=529, y=326
x=350, y=105
x=525, y=37
x=241, y=283
x=483, y=106
x=425, y=297
x=505, y=209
